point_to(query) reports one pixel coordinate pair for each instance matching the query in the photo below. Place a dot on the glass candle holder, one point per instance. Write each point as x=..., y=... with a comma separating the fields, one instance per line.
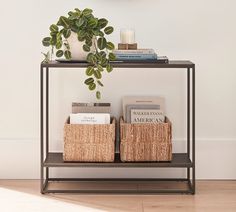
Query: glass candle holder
x=127, y=36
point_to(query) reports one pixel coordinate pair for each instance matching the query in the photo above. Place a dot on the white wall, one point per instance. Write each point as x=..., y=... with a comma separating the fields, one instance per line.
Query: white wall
x=201, y=31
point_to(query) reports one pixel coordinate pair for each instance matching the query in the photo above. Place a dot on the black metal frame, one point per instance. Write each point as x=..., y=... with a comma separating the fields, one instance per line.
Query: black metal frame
x=180, y=160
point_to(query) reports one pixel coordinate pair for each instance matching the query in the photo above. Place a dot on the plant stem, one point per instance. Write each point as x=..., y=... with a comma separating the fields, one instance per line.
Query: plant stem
x=52, y=52
x=94, y=43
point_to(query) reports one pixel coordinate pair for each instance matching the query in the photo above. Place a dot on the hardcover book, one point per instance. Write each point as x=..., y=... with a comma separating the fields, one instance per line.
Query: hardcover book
x=136, y=56
x=138, y=51
x=91, y=107
x=90, y=104
x=159, y=61
x=147, y=116
x=89, y=118
x=141, y=102
x=129, y=108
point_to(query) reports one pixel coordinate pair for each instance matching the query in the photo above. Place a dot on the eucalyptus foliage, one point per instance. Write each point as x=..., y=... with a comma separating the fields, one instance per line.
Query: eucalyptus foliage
x=90, y=30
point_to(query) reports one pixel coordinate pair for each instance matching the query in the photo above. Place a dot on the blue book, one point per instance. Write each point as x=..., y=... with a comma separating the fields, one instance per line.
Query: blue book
x=136, y=56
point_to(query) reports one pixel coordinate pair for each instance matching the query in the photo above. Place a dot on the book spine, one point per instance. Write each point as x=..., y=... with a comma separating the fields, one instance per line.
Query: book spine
x=134, y=57
x=95, y=109
x=143, y=51
x=90, y=104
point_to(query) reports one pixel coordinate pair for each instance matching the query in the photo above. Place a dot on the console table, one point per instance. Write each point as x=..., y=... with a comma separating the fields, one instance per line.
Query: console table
x=51, y=159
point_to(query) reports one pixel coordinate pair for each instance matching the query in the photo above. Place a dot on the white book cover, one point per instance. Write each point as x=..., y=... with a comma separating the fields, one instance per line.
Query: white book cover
x=147, y=116
x=89, y=118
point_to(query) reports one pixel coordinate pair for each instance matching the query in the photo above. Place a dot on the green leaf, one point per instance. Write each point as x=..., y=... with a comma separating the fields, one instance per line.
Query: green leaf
x=85, y=24
x=97, y=74
x=46, y=57
x=53, y=28
x=100, y=33
x=66, y=33
x=94, y=60
x=92, y=23
x=58, y=37
x=74, y=28
x=102, y=22
x=81, y=39
x=63, y=21
x=79, y=22
x=73, y=15
x=70, y=13
x=111, y=56
x=92, y=86
x=104, y=62
x=87, y=12
x=95, y=32
x=89, y=81
x=53, y=40
x=98, y=56
x=108, y=30
x=78, y=10
x=102, y=42
x=100, y=68
x=103, y=54
x=100, y=83
x=86, y=48
x=89, y=42
x=110, y=46
x=59, y=53
x=53, y=33
x=89, y=71
x=81, y=35
x=46, y=41
x=58, y=44
x=98, y=95
x=67, y=54
x=109, y=68
x=67, y=46
x=91, y=58
x=89, y=35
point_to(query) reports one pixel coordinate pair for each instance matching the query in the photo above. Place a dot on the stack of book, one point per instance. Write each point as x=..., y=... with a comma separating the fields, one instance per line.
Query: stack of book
x=143, y=109
x=90, y=113
x=139, y=55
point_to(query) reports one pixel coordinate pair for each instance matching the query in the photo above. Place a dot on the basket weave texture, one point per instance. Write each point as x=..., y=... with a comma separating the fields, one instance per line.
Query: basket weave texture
x=145, y=142
x=89, y=143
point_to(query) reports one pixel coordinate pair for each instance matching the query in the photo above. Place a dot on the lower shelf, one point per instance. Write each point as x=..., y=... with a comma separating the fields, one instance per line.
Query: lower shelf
x=55, y=159
x=116, y=186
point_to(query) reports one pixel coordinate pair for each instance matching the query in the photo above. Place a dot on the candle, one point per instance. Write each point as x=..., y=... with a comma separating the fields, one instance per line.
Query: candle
x=127, y=36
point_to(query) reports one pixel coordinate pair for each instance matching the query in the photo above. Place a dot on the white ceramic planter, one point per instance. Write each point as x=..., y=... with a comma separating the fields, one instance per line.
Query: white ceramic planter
x=76, y=48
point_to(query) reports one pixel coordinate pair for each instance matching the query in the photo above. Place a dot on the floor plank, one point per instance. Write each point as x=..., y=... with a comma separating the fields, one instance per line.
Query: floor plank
x=215, y=196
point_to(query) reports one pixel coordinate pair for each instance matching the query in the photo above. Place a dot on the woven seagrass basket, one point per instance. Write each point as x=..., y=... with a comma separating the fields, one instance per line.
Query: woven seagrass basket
x=89, y=143
x=145, y=142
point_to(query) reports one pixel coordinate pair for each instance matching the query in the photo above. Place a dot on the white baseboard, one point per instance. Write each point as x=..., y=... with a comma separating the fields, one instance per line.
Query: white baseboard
x=215, y=159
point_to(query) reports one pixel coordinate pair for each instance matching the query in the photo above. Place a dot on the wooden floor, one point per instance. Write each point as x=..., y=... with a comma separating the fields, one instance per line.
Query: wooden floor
x=23, y=195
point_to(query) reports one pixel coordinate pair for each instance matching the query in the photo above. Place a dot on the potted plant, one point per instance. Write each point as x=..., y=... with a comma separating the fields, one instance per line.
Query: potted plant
x=81, y=36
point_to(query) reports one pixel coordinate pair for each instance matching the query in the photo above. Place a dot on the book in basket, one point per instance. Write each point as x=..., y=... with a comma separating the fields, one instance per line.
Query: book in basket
x=78, y=107
x=147, y=116
x=141, y=102
x=90, y=118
